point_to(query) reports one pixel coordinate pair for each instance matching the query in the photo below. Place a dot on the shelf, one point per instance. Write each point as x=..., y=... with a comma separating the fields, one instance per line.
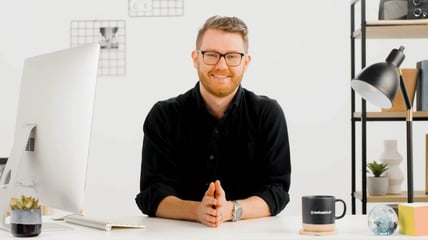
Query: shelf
x=379, y=29
x=391, y=116
x=419, y=196
x=384, y=29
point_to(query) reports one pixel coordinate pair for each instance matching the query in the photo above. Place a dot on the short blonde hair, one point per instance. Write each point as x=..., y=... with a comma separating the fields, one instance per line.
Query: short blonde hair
x=227, y=24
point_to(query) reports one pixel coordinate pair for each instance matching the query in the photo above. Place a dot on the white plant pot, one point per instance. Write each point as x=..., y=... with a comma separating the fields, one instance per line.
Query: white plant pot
x=26, y=223
x=377, y=186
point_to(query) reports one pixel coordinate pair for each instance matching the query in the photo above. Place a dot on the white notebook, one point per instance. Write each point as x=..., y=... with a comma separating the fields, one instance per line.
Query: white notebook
x=102, y=223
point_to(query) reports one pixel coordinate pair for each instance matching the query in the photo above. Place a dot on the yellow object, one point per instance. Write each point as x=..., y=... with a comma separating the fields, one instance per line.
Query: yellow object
x=412, y=219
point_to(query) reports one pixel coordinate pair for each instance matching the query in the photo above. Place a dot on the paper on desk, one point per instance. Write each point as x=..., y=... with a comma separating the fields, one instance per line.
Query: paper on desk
x=103, y=224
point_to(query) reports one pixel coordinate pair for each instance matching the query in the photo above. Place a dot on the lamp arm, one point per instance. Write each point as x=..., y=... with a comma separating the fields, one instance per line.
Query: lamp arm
x=405, y=94
x=409, y=136
x=409, y=139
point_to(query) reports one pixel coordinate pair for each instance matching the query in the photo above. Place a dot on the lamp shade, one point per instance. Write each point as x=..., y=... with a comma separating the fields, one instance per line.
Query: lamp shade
x=379, y=83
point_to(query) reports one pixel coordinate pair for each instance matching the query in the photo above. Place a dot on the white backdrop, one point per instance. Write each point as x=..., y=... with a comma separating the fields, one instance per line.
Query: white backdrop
x=300, y=53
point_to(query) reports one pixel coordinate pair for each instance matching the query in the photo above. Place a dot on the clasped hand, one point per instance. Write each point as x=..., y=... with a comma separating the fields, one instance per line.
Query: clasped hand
x=214, y=208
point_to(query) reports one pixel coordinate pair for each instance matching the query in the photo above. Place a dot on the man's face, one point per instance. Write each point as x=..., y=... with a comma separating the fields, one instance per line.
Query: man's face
x=220, y=80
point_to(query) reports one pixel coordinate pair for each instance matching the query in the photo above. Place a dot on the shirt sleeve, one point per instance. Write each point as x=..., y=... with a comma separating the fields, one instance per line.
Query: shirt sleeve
x=274, y=134
x=157, y=168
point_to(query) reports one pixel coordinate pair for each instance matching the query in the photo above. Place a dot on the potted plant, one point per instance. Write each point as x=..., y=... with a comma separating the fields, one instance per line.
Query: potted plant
x=377, y=184
x=25, y=216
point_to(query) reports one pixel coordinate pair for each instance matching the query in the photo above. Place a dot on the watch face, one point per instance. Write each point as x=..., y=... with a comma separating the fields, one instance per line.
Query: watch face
x=238, y=213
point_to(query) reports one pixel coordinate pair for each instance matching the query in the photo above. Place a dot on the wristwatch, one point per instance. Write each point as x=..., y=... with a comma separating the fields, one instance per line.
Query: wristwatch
x=236, y=212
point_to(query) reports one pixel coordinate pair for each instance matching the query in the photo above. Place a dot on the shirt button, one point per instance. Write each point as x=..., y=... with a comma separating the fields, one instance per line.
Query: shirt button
x=216, y=132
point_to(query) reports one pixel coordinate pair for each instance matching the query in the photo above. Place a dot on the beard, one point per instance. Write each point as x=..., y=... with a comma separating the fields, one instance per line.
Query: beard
x=220, y=87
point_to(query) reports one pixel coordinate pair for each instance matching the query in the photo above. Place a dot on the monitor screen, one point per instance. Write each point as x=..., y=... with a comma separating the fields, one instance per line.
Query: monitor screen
x=54, y=120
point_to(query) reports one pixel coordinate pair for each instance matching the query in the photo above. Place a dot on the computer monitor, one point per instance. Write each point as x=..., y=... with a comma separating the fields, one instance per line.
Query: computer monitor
x=53, y=130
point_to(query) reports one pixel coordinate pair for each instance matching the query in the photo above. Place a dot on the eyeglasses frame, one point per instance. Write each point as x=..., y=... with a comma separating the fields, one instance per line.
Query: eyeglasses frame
x=222, y=55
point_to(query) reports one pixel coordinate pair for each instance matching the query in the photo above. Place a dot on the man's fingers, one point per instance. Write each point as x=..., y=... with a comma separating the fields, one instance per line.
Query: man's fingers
x=211, y=190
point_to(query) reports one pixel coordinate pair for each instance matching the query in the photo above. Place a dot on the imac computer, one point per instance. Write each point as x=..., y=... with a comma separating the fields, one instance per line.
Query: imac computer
x=53, y=130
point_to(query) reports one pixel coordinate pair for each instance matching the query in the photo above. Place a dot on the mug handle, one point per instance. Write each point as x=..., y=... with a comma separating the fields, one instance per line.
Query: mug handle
x=344, y=208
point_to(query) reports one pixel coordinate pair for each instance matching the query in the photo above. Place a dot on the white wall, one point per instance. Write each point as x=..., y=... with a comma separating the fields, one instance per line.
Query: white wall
x=300, y=53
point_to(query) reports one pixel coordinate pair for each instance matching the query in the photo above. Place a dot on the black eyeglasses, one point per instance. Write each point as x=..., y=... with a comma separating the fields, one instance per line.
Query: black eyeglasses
x=232, y=59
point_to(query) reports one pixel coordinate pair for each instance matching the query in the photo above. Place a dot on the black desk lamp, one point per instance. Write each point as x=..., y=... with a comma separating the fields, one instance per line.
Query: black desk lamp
x=378, y=84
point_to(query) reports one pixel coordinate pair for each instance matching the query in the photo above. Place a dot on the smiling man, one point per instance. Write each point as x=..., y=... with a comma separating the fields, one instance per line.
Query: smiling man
x=218, y=152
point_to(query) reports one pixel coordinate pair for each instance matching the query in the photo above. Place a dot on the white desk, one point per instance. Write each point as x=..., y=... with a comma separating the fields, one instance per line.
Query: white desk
x=279, y=227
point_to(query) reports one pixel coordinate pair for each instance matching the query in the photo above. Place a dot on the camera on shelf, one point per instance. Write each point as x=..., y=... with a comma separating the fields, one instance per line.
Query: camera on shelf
x=417, y=9
x=393, y=9
x=403, y=9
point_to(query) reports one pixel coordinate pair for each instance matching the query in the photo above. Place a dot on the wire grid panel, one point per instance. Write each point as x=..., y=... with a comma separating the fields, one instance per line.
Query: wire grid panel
x=110, y=34
x=155, y=8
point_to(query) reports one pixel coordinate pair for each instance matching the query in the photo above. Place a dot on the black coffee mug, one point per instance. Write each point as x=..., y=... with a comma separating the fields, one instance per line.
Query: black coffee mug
x=319, y=213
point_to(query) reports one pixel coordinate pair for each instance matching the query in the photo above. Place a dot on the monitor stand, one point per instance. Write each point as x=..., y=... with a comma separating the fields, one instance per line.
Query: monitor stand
x=8, y=178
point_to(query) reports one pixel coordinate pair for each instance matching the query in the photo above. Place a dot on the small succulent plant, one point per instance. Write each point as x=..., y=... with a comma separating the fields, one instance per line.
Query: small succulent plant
x=24, y=203
x=377, y=169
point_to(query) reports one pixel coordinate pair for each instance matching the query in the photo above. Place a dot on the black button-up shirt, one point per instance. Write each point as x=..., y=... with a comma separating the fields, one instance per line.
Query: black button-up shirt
x=185, y=148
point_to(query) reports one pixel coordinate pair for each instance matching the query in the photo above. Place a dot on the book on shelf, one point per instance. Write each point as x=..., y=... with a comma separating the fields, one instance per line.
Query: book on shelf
x=422, y=88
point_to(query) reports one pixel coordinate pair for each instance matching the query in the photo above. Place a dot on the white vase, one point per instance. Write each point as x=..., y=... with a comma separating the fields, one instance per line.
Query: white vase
x=393, y=158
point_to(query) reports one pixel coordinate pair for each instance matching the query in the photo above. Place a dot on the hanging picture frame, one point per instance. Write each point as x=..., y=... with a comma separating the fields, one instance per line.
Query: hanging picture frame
x=155, y=8
x=111, y=35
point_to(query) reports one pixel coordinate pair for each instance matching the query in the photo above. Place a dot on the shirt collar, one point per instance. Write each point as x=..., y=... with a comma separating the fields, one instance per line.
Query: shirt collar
x=198, y=97
x=235, y=101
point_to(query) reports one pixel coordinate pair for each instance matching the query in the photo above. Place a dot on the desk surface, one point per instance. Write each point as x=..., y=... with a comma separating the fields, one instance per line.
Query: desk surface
x=278, y=227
